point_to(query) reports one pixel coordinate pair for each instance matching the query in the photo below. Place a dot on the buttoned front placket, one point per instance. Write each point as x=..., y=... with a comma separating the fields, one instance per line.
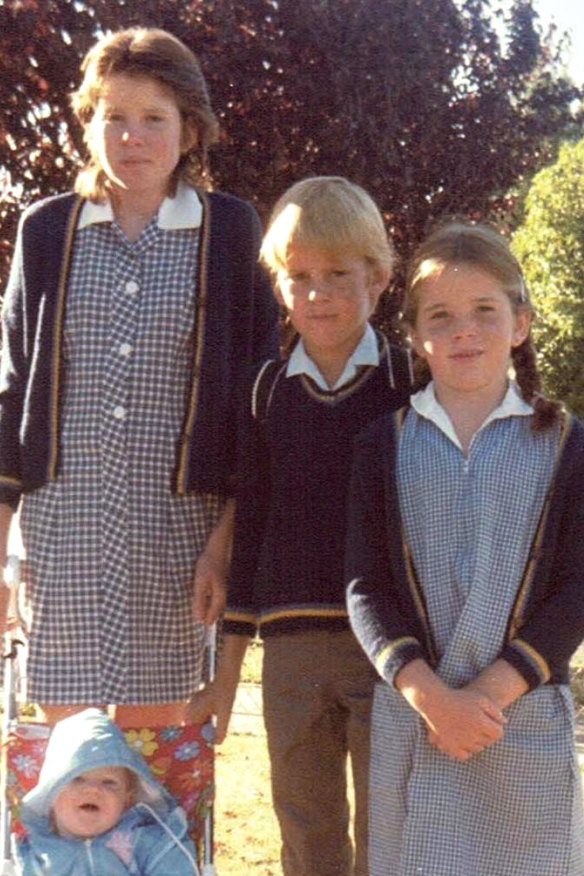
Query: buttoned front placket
x=127, y=295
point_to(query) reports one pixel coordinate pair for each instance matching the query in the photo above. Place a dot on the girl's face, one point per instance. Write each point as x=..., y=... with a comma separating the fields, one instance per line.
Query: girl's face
x=465, y=329
x=137, y=134
x=329, y=298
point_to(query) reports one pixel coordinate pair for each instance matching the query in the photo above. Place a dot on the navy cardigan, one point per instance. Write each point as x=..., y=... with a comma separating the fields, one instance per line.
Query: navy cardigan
x=385, y=600
x=235, y=325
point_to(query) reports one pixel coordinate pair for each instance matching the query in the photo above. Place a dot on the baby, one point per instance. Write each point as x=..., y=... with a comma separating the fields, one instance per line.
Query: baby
x=98, y=809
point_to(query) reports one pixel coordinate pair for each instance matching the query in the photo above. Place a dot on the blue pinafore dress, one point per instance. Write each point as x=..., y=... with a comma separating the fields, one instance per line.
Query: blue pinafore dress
x=514, y=809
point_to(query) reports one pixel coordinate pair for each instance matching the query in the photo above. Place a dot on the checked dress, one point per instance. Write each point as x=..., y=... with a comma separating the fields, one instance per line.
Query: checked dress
x=514, y=809
x=111, y=549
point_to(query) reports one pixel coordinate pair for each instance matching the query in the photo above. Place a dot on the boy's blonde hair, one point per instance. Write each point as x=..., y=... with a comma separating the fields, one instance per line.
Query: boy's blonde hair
x=162, y=57
x=328, y=213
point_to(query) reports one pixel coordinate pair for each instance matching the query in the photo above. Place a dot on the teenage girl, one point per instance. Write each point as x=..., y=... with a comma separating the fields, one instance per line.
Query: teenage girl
x=132, y=307
x=465, y=559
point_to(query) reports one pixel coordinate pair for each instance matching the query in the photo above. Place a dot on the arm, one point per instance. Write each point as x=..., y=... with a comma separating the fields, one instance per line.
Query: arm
x=5, y=521
x=211, y=569
x=217, y=697
x=381, y=609
x=251, y=513
x=552, y=625
x=164, y=848
x=13, y=369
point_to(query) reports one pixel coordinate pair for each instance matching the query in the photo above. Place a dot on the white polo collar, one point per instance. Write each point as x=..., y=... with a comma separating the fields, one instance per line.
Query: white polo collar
x=365, y=353
x=427, y=405
x=184, y=210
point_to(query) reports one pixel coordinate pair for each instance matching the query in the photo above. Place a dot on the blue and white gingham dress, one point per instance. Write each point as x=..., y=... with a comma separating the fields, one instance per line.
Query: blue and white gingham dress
x=111, y=549
x=514, y=809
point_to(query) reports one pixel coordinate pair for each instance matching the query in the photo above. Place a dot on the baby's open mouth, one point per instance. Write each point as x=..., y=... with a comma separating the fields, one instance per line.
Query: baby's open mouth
x=89, y=807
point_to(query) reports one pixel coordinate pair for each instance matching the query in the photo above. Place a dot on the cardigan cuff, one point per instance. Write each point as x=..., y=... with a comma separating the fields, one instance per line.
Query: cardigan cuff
x=239, y=622
x=528, y=662
x=10, y=491
x=397, y=654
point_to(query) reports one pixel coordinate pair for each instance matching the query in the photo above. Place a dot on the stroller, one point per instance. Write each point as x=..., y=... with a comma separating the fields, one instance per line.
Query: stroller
x=24, y=744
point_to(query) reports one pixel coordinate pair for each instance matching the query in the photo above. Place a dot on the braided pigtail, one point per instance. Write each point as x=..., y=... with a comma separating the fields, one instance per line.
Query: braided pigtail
x=546, y=412
x=422, y=374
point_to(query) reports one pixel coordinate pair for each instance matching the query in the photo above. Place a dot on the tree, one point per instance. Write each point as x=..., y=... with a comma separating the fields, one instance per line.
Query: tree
x=419, y=102
x=550, y=246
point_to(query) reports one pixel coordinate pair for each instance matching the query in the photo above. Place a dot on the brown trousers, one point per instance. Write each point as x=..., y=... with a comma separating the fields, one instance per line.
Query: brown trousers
x=318, y=690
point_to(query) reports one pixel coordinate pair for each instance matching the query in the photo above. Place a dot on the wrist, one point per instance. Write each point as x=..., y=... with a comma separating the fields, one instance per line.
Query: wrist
x=421, y=687
x=501, y=683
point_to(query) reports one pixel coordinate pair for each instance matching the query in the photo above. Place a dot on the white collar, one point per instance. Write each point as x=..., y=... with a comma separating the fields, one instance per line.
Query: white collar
x=184, y=210
x=365, y=353
x=427, y=405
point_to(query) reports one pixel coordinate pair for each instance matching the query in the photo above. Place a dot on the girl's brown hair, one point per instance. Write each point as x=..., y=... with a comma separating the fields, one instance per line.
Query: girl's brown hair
x=478, y=246
x=160, y=56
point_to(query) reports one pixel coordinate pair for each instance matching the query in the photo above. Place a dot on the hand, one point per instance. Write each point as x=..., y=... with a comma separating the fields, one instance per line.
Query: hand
x=210, y=592
x=214, y=699
x=500, y=682
x=463, y=723
x=218, y=696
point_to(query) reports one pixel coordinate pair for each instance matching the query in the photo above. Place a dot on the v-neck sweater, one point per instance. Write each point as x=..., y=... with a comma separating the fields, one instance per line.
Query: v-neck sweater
x=293, y=476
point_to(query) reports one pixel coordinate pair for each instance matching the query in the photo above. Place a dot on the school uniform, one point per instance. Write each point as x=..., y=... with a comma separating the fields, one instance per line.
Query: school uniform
x=120, y=368
x=462, y=559
x=286, y=582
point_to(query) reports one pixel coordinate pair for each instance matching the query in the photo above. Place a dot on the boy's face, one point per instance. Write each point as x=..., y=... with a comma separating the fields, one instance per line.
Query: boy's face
x=329, y=298
x=92, y=803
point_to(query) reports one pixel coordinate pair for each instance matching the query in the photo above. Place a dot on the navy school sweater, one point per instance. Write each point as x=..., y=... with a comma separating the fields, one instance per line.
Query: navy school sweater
x=294, y=465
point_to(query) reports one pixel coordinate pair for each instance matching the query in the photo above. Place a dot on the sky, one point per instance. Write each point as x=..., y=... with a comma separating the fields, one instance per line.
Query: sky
x=569, y=16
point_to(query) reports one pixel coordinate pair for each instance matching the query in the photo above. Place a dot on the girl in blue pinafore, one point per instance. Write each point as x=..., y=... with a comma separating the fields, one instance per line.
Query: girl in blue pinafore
x=132, y=308
x=466, y=566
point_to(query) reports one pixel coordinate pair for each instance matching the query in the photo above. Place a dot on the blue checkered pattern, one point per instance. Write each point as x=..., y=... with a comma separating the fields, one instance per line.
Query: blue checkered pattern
x=110, y=548
x=516, y=808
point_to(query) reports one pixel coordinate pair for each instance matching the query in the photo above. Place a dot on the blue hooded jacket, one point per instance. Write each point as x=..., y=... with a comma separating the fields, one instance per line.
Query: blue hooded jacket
x=149, y=840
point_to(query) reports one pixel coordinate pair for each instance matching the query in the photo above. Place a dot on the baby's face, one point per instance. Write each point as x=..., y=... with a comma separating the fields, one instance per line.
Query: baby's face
x=92, y=803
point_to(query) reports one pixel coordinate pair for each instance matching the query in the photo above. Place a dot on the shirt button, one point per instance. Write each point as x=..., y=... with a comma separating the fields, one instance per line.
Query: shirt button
x=119, y=412
x=125, y=349
x=131, y=287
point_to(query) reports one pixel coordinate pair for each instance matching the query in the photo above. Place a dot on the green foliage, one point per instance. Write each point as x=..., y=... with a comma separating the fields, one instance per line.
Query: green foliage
x=550, y=247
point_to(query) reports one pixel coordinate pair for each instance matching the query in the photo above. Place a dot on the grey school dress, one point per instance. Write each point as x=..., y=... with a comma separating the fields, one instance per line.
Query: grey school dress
x=515, y=809
x=111, y=549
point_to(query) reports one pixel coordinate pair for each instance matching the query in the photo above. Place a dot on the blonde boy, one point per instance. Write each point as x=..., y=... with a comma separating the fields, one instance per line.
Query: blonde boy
x=328, y=252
